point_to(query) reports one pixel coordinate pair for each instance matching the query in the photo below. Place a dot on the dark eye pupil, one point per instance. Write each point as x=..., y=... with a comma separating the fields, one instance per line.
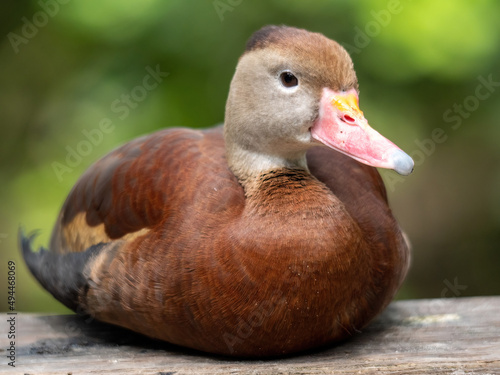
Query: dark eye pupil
x=288, y=79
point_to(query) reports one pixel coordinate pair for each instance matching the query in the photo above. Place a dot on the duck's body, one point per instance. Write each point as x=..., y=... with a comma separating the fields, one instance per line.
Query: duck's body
x=172, y=236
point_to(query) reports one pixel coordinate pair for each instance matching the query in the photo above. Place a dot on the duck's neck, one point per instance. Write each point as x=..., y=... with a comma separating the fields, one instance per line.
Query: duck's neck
x=249, y=167
x=277, y=185
x=291, y=194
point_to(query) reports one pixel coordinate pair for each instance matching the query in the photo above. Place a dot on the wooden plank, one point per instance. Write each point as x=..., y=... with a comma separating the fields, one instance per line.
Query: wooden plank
x=444, y=336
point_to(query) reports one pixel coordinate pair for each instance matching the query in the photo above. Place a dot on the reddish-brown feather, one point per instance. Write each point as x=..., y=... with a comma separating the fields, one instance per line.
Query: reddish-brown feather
x=299, y=263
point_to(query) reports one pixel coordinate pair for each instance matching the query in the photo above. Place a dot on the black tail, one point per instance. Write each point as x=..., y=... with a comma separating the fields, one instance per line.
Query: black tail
x=61, y=274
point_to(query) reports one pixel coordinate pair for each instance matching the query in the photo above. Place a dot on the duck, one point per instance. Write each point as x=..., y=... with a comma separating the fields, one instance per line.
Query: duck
x=267, y=236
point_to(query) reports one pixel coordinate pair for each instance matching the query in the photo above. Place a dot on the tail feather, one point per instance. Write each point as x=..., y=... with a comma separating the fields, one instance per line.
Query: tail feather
x=61, y=274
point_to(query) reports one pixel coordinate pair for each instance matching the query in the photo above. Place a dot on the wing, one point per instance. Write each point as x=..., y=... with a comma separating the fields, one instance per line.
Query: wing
x=127, y=192
x=132, y=197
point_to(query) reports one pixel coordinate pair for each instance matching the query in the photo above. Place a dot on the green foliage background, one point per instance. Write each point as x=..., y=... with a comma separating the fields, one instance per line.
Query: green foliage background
x=414, y=66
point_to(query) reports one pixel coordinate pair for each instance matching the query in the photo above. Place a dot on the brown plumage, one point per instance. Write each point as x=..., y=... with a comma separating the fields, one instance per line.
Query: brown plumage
x=254, y=242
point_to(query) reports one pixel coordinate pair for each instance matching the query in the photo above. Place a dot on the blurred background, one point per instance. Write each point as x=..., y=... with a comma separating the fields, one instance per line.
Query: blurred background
x=71, y=89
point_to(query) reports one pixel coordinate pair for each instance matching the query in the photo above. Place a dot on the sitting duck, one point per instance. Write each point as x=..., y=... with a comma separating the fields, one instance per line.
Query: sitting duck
x=266, y=236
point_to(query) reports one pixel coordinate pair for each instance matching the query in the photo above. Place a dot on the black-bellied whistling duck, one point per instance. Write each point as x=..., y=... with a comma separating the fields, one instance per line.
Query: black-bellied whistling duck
x=246, y=240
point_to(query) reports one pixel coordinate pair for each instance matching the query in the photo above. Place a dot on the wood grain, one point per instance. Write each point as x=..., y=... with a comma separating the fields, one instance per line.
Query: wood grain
x=443, y=336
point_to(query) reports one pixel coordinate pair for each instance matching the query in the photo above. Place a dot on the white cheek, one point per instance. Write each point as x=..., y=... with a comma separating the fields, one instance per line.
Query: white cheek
x=305, y=137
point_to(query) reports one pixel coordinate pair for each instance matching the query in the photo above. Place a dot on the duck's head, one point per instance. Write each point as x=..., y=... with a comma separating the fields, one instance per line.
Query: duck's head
x=294, y=89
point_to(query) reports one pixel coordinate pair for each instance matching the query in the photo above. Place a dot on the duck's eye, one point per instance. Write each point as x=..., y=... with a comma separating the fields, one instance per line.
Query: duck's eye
x=288, y=79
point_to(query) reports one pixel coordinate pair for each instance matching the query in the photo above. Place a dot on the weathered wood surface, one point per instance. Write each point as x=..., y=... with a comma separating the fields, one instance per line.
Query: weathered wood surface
x=446, y=336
